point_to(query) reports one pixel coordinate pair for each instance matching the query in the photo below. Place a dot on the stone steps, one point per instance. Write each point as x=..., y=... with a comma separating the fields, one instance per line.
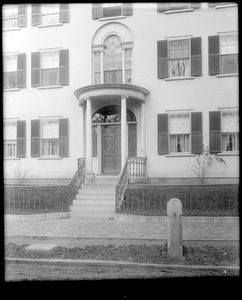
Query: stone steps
x=96, y=199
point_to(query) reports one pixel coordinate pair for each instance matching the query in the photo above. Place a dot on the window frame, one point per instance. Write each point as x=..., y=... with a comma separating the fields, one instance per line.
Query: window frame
x=177, y=134
x=236, y=133
x=15, y=72
x=10, y=141
x=44, y=139
x=221, y=55
x=108, y=5
x=43, y=69
x=8, y=7
x=49, y=14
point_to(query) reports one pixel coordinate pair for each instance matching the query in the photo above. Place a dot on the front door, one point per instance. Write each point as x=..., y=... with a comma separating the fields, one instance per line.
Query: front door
x=111, y=150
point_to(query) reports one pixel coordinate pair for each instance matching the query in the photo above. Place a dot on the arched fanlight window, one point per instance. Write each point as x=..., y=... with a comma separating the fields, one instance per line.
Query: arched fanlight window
x=113, y=70
x=112, y=114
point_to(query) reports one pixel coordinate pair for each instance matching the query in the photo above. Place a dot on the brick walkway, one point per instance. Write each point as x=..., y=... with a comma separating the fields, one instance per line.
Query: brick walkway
x=103, y=228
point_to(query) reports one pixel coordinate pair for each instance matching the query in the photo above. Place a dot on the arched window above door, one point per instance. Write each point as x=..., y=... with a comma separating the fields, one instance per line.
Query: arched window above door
x=111, y=114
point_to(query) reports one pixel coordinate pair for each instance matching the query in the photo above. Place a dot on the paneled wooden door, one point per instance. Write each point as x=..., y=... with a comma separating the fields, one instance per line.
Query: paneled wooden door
x=111, y=149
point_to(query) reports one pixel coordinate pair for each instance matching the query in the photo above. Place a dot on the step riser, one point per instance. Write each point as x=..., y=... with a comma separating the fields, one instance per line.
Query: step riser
x=107, y=208
x=93, y=202
x=94, y=197
x=96, y=191
x=88, y=214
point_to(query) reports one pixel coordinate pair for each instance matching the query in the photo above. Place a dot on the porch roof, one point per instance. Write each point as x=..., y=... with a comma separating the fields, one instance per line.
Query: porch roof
x=108, y=91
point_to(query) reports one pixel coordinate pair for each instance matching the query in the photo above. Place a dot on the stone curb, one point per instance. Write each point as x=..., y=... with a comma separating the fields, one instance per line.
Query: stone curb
x=123, y=263
x=37, y=217
x=163, y=219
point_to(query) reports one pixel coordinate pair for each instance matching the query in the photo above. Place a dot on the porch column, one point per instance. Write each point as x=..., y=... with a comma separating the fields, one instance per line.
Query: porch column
x=82, y=129
x=123, y=131
x=89, y=136
x=142, y=130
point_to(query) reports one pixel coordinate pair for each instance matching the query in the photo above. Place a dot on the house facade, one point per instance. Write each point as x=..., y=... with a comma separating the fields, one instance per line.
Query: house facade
x=109, y=81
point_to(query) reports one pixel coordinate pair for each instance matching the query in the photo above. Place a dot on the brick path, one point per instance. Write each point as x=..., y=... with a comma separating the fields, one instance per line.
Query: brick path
x=104, y=228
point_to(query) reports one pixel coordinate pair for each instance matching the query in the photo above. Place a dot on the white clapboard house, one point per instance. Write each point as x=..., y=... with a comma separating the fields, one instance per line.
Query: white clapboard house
x=149, y=82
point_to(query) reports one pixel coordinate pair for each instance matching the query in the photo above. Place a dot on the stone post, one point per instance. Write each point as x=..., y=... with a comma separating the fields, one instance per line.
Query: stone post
x=174, y=212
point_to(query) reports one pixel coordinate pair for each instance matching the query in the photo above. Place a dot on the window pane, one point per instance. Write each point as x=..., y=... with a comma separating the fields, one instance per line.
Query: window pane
x=10, y=149
x=97, y=78
x=49, y=77
x=10, y=16
x=113, y=76
x=50, y=147
x=179, y=58
x=9, y=80
x=230, y=142
x=179, y=143
x=10, y=130
x=178, y=5
x=9, y=63
x=128, y=59
x=50, y=60
x=229, y=44
x=97, y=61
x=112, y=10
x=229, y=64
x=50, y=13
x=50, y=129
x=128, y=76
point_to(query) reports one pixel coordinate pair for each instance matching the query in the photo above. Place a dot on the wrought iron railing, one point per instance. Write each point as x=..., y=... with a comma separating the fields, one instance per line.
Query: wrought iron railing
x=43, y=199
x=134, y=170
x=197, y=200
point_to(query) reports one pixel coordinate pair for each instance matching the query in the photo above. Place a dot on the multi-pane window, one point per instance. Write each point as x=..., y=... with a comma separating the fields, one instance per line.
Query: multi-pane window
x=50, y=68
x=112, y=10
x=108, y=64
x=179, y=58
x=230, y=131
x=49, y=137
x=10, y=16
x=113, y=60
x=229, y=53
x=109, y=10
x=179, y=131
x=50, y=13
x=10, y=71
x=10, y=136
x=173, y=6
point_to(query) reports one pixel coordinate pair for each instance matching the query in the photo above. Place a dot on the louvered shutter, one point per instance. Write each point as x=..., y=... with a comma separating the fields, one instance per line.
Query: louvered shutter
x=97, y=10
x=64, y=13
x=213, y=52
x=64, y=66
x=161, y=7
x=22, y=16
x=162, y=134
x=214, y=132
x=63, y=138
x=196, y=132
x=127, y=9
x=132, y=129
x=196, y=56
x=162, y=59
x=21, y=139
x=21, y=70
x=195, y=5
x=35, y=138
x=35, y=69
x=36, y=14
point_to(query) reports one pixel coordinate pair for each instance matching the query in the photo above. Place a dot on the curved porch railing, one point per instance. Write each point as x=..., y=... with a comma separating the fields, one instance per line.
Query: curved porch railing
x=134, y=171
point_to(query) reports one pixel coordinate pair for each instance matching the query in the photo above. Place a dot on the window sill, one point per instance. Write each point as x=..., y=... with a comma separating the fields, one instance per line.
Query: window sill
x=50, y=25
x=179, y=78
x=11, y=158
x=178, y=11
x=180, y=155
x=225, y=6
x=227, y=75
x=50, y=87
x=11, y=29
x=49, y=158
x=11, y=90
x=112, y=18
x=232, y=153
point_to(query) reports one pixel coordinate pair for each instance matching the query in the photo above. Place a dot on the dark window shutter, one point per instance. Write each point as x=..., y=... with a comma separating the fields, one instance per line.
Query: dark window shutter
x=214, y=132
x=132, y=129
x=163, y=134
x=64, y=66
x=21, y=70
x=213, y=52
x=195, y=5
x=196, y=129
x=21, y=138
x=162, y=57
x=64, y=13
x=35, y=138
x=35, y=69
x=36, y=14
x=22, y=15
x=97, y=10
x=196, y=56
x=63, y=138
x=127, y=9
x=161, y=7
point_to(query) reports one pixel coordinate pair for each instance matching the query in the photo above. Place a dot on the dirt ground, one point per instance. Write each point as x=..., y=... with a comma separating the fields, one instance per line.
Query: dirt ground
x=39, y=271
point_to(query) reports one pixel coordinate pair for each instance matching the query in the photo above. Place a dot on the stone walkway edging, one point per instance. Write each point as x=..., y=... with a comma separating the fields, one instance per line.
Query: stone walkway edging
x=36, y=217
x=163, y=219
x=110, y=262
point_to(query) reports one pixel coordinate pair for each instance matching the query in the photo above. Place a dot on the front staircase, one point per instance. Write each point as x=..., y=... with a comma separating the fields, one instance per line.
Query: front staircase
x=96, y=199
